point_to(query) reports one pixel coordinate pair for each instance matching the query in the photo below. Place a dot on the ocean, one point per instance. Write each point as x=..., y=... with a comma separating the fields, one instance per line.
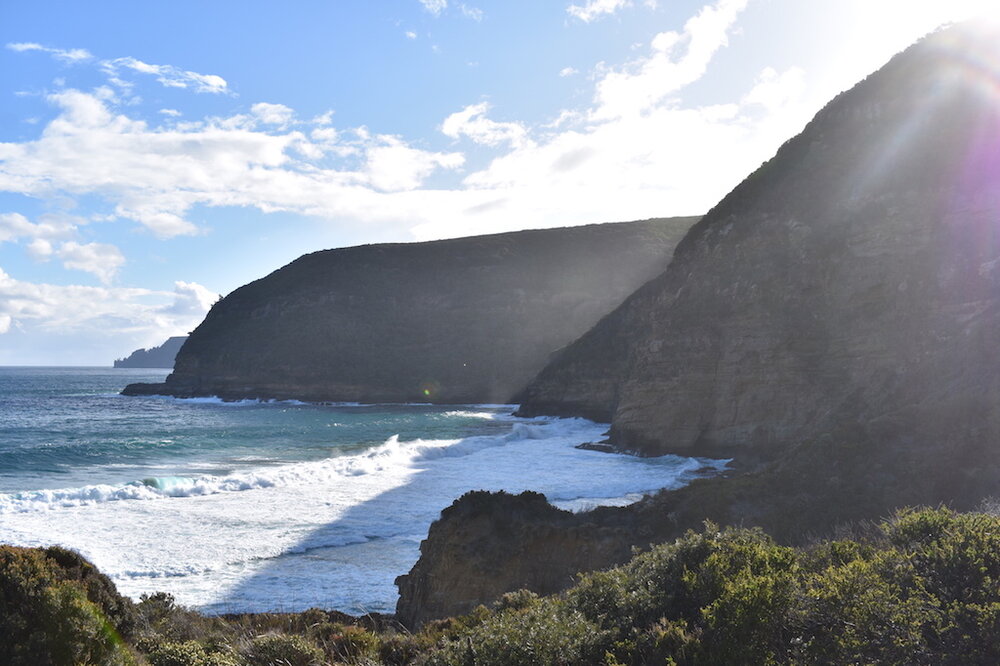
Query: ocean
x=274, y=506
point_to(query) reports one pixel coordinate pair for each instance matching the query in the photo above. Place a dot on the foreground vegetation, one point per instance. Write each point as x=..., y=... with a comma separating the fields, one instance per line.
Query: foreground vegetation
x=920, y=588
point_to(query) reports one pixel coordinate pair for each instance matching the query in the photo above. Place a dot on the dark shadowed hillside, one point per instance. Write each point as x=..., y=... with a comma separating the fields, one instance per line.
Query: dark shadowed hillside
x=463, y=320
x=833, y=325
x=853, y=279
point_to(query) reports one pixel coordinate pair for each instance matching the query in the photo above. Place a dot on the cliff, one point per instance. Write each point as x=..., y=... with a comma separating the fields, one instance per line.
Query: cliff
x=154, y=357
x=453, y=321
x=832, y=325
x=852, y=277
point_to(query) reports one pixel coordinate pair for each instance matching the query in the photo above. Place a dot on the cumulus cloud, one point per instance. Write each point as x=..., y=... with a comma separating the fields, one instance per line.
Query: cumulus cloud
x=272, y=114
x=677, y=59
x=14, y=226
x=40, y=249
x=99, y=259
x=472, y=122
x=635, y=150
x=568, y=71
x=395, y=166
x=98, y=320
x=638, y=151
x=190, y=300
x=156, y=175
x=594, y=9
x=773, y=90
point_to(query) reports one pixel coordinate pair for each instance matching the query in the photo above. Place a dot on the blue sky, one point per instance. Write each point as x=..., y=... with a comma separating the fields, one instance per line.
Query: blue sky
x=156, y=155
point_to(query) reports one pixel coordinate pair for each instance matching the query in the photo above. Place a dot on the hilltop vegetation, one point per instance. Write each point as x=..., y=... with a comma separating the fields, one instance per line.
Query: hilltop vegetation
x=918, y=588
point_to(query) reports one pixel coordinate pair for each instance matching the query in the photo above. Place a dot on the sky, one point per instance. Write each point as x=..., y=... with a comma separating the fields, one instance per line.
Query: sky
x=155, y=156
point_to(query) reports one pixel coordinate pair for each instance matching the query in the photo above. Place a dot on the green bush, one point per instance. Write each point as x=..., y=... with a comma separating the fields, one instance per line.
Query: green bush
x=46, y=616
x=283, y=650
x=344, y=642
x=549, y=632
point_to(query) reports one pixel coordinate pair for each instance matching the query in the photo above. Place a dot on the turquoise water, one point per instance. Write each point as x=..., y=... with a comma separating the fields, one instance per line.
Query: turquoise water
x=253, y=506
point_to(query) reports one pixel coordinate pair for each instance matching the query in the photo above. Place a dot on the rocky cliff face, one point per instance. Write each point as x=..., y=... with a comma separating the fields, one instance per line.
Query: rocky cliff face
x=454, y=321
x=852, y=276
x=154, y=357
x=486, y=544
x=833, y=324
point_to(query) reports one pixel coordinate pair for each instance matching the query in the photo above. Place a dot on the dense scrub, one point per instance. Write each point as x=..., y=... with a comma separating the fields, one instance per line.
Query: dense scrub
x=919, y=588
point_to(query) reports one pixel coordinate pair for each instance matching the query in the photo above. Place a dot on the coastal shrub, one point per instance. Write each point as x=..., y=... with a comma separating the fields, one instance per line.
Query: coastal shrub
x=46, y=616
x=922, y=587
x=160, y=619
x=282, y=650
x=516, y=601
x=400, y=649
x=549, y=632
x=188, y=653
x=344, y=642
x=117, y=609
x=717, y=596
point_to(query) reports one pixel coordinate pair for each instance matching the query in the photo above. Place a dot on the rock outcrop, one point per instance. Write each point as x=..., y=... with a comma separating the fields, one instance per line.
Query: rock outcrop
x=154, y=357
x=486, y=544
x=833, y=324
x=468, y=320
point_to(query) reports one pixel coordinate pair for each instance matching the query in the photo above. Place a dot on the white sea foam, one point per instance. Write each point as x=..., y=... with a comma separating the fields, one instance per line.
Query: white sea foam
x=332, y=532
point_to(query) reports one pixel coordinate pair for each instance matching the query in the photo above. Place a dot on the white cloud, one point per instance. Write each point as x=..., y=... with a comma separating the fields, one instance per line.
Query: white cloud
x=14, y=226
x=410, y=34
x=40, y=249
x=773, y=90
x=594, y=9
x=77, y=324
x=568, y=71
x=190, y=299
x=99, y=259
x=617, y=159
x=394, y=166
x=642, y=154
x=434, y=6
x=473, y=123
x=156, y=175
x=677, y=60
x=272, y=114
x=473, y=13
x=69, y=56
x=167, y=75
x=172, y=113
x=323, y=119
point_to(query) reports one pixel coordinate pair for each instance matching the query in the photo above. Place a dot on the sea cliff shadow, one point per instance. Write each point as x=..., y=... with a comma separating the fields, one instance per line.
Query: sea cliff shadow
x=354, y=559
x=350, y=563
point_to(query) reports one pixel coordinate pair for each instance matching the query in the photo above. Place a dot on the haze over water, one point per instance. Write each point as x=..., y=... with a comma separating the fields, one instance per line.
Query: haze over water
x=255, y=506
